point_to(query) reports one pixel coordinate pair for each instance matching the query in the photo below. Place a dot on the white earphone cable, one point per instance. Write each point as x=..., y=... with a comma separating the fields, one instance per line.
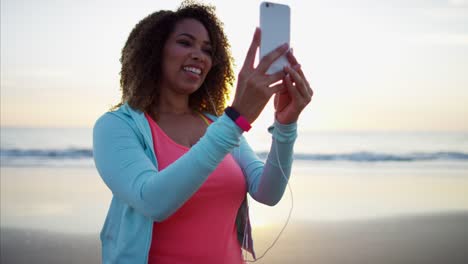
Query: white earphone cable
x=245, y=239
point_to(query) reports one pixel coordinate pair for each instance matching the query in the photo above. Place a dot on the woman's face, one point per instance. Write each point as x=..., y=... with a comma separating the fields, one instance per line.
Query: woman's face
x=186, y=57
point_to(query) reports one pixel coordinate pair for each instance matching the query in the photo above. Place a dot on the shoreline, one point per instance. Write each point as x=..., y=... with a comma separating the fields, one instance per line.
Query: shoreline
x=428, y=238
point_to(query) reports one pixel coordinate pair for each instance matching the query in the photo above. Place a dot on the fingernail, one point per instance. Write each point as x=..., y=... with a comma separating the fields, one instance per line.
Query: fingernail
x=285, y=45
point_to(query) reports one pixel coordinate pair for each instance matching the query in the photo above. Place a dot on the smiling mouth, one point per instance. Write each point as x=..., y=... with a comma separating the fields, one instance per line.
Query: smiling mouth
x=194, y=70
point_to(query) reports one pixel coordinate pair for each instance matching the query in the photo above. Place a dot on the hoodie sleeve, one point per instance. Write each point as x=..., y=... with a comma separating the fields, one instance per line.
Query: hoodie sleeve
x=125, y=167
x=267, y=180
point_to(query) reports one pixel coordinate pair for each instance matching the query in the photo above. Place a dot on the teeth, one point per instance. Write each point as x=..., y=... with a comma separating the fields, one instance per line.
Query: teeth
x=193, y=69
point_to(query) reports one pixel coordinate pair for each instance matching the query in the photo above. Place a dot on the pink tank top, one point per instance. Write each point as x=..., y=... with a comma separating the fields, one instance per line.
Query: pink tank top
x=203, y=230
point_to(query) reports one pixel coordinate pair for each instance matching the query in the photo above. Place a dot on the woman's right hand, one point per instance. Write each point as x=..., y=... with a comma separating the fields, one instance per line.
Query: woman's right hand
x=253, y=84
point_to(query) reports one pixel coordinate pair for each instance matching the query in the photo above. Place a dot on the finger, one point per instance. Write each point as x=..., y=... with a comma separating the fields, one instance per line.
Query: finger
x=266, y=61
x=281, y=101
x=301, y=86
x=275, y=77
x=250, y=57
x=276, y=100
x=293, y=92
x=291, y=58
x=310, y=91
x=298, y=76
x=275, y=89
x=301, y=73
x=284, y=90
x=298, y=68
x=294, y=63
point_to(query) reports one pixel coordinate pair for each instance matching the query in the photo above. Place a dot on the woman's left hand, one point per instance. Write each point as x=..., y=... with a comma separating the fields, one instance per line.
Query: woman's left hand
x=296, y=94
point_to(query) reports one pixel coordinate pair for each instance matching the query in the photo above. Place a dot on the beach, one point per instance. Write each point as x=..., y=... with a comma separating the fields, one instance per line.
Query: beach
x=342, y=213
x=380, y=162
x=412, y=239
x=416, y=239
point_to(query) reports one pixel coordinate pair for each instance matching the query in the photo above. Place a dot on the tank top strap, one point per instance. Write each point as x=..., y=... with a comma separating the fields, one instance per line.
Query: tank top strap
x=207, y=120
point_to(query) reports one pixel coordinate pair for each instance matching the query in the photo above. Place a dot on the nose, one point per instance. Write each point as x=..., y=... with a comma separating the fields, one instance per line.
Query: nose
x=196, y=55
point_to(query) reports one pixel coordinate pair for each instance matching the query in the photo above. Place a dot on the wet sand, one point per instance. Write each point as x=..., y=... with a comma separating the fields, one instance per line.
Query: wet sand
x=428, y=239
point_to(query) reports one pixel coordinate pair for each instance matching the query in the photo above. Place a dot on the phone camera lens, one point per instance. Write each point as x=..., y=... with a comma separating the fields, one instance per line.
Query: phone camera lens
x=267, y=4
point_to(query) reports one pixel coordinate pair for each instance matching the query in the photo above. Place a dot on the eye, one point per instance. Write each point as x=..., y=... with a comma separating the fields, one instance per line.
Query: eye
x=208, y=51
x=184, y=43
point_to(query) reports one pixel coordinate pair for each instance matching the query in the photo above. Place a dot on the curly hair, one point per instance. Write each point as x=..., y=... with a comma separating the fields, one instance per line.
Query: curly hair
x=142, y=60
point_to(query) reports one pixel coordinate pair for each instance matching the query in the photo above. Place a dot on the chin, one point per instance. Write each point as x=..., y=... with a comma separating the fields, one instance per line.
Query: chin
x=192, y=87
x=189, y=89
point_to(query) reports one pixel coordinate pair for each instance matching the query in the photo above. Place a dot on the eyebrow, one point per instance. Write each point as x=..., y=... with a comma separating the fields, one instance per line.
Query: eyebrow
x=193, y=38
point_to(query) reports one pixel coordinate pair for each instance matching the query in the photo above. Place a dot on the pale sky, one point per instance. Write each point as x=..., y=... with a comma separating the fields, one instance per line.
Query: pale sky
x=374, y=65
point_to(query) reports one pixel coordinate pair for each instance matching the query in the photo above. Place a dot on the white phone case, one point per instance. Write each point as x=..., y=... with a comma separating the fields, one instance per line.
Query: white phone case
x=275, y=26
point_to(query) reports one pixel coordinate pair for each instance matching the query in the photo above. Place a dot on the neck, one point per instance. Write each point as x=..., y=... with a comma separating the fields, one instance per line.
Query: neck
x=171, y=103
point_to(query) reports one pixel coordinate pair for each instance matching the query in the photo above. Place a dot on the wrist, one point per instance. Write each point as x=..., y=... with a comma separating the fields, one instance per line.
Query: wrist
x=286, y=119
x=237, y=118
x=283, y=127
x=283, y=133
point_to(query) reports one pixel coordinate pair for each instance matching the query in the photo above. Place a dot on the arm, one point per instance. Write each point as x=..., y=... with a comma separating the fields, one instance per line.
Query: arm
x=266, y=182
x=132, y=177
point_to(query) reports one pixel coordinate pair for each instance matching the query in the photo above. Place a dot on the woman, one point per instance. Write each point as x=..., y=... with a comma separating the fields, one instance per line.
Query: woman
x=177, y=165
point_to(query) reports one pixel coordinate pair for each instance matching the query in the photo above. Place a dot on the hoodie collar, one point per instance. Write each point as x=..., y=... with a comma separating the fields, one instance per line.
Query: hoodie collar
x=141, y=123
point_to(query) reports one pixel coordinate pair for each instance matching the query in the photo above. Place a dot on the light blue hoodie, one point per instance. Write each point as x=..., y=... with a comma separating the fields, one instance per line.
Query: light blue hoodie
x=125, y=159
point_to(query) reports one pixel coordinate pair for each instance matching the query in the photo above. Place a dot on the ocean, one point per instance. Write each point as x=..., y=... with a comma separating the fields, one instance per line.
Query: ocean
x=72, y=147
x=353, y=197
x=48, y=178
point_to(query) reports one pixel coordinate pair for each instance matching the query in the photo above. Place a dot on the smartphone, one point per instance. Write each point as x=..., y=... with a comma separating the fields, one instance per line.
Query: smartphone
x=275, y=27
